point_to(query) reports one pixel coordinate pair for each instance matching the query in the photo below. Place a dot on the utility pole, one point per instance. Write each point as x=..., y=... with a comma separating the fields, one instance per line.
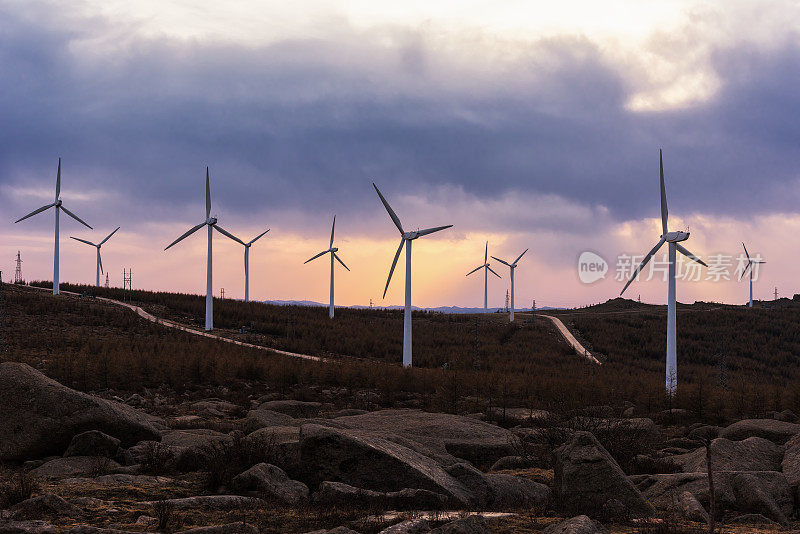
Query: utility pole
x=18, y=270
x=106, y=279
x=506, y=300
x=127, y=281
x=222, y=293
x=776, y=292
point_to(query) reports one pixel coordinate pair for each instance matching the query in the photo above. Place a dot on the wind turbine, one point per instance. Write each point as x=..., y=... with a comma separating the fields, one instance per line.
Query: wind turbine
x=511, y=266
x=99, y=267
x=332, y=250
x=674, y=239
x=750, y=262
x=486, y=270
x=247, y=263
x=211, y=222
x=58, y=206
x=405, y=239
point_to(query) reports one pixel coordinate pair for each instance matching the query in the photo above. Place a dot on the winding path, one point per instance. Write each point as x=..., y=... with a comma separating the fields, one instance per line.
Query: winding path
x=562, y=329
x=569, y=338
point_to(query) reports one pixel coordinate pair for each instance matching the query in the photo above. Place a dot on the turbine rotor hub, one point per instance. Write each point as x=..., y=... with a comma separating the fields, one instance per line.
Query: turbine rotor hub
x=211, y=221
x=675, y=237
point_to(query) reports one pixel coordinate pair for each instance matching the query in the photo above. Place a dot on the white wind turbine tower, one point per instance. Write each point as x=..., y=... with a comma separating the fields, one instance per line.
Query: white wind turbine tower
x=99, y=266
x=211, y=222
x=58, y=206
x=750, y=263
x=332, y=250
x=406, y=238
x=512, y=266
x=247, y=263
x=486, y=270
x=674, y=239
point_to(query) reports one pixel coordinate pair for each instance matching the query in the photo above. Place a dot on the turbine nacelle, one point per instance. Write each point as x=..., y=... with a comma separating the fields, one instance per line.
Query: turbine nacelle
x=410, y=236
x=675, y=237
x=57, y=203
x=333, y=249
x=211, y=221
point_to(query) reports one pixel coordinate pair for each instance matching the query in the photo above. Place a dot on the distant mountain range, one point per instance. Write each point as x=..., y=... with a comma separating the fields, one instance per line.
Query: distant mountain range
x=440, y=309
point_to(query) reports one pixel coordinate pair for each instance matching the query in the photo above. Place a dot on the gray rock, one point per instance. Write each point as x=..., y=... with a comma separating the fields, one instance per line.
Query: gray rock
x=704, y=432
x=215, y=408
x=40, y=416
x=776, y=431
x=367, y=461
x=514, y=462
x=409, y=526
x=791, y=464
x=272, y=483
x=463, y=437
x=73, y=466
x=343, y=495
x=88, y=529
x=586, y=476
x=190, y=448
x=577, y=525
x=26, y=527
x=474, y=524
x=294, y=408
x=347, y=412
x=228, y=528
x=763, y=492
x=500, y=491
x=691, y=509
x=93, y=443
x=261, y=418
x=43, y=505
x=751, y=454
x=146, y=521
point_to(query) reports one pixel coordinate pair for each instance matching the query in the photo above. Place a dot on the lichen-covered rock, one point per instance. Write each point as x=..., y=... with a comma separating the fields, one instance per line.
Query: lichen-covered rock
x=272, y=483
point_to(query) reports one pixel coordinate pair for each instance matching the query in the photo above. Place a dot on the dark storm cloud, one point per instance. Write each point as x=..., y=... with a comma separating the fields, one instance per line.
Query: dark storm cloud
x=303, y=124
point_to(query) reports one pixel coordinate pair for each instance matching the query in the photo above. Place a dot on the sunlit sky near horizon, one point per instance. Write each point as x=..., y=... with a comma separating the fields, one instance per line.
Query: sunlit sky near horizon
x=529, y=124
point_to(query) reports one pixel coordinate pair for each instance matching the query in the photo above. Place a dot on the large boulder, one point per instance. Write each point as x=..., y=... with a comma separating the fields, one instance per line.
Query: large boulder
x=791, y=464
x=293, y=408
x=463, y=437
x=43, y=505
x=691, y=509
x=261, y=418
x=751, y=454
x=369, y=461
x=500, y=491
x=92, y=443
x=474, y=524
x=581, y=524
x=26, y=527
x=776, y=431
x=40, y=416
x=346, y=496
x=73, y=466
x=190, y=448
x=763, y=492
x=272, y=483
x=586, y=477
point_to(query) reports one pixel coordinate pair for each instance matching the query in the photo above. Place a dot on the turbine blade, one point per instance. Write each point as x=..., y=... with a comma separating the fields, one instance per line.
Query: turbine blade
x=58, y=180
x=389, y=209
x=501, y=261
x=228, y=234
x=100, y=259
x=486, y=253
x=689, y=255
x=394, y=263
x=340, y=261
x=432, y=230
x=745, y=252
x=492, y=271
x=258, y=236
x=744, y=271
x=208, y=196
x=31, y=214
x=332, y=227
x=109, y=236
x=664, y=211
x=520, y=256
x=187, y=234
x=317, y=256
x=83, y=241
x=76, y=217
x=644, y=262
x=473, y=270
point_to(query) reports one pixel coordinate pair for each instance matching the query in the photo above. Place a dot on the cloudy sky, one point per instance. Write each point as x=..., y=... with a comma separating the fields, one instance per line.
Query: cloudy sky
x=529, y=124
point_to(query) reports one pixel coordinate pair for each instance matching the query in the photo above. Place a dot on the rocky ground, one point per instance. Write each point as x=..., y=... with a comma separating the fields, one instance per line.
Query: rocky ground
x=148, y=462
